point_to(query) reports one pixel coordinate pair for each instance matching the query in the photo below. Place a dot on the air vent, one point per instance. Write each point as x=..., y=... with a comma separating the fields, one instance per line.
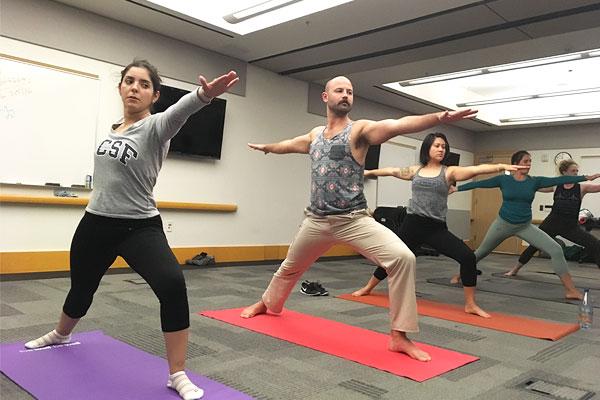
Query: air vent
x=555, y=390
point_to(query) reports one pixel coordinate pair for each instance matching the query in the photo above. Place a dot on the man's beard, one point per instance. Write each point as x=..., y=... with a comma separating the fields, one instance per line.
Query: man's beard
x=340, y=110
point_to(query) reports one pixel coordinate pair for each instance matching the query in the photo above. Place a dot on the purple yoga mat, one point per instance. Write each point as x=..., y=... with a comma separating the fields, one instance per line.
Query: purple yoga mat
x=95, y=366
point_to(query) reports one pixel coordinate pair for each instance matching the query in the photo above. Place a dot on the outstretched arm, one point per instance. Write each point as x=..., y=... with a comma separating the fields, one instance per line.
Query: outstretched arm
x=299, y=144
x=465, y=173
x=589, y=188
x=377, y=132
x=544, y=181
x=484, y=184
x=405, y=173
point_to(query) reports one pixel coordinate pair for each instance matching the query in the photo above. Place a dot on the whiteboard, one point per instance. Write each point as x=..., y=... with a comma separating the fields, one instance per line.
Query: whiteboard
x=391, y=191
x=48, y=119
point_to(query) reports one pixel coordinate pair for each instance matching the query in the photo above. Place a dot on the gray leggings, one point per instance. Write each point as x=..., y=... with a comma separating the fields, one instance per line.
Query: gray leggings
x=501, y=230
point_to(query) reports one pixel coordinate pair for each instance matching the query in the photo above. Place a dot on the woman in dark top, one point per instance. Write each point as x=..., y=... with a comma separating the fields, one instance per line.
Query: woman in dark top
x=563, y=219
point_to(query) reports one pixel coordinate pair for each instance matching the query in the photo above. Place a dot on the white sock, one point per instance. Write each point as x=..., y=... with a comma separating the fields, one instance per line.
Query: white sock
x=182, y=384
x=48, y=339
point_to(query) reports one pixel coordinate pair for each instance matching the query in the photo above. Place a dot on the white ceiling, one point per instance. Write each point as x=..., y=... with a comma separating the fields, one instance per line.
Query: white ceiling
x=378, y=41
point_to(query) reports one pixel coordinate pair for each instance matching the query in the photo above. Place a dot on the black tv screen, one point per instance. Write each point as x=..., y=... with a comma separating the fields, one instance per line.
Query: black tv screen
x=372, y=160
x=451, y=159
x=202, y=134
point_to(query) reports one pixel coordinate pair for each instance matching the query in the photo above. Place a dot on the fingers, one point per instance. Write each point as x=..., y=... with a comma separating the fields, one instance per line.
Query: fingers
x=203, y=81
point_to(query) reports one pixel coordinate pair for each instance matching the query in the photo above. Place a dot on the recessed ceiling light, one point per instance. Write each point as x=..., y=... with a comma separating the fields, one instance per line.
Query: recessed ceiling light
x=535, y=63
x=437, y=78
x=257, y=9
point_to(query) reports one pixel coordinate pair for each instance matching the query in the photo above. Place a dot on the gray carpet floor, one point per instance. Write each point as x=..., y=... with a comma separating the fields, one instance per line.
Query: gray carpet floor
x=510, y=366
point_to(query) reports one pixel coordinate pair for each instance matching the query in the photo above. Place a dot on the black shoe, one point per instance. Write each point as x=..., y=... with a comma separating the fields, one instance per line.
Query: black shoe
x=313, y=289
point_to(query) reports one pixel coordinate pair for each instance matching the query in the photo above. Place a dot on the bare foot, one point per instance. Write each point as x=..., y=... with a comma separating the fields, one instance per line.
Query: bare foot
x=476, y=310
x=455, y=279
x=361, y=292
x=401, y=344
x=573, y=295
x=254, y=310
x=512, y=272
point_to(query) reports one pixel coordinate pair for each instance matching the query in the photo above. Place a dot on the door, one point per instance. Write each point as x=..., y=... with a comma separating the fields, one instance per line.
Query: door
x=486, y=205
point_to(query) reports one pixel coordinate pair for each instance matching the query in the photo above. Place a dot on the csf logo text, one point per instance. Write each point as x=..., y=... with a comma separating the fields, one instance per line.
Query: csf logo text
x=117, y=149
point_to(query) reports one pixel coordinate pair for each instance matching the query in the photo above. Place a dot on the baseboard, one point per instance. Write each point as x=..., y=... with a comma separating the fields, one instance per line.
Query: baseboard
x=18, y=262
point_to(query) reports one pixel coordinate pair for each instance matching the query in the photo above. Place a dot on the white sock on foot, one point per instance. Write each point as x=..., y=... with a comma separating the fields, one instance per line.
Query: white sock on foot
x=182, y=384
x=48, y=339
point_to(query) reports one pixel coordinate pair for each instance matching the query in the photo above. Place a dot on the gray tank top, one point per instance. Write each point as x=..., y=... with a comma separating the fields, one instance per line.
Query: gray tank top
x=429, y=196
x=336, y=177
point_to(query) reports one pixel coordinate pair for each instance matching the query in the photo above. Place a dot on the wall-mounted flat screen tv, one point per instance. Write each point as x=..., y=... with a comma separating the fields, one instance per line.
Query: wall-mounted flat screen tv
x=202, y=134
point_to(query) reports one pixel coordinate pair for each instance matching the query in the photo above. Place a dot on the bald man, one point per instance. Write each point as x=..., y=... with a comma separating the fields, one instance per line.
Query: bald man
x=338, y=209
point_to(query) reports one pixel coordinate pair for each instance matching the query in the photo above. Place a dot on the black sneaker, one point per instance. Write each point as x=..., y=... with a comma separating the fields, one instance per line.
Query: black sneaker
x=313, y=289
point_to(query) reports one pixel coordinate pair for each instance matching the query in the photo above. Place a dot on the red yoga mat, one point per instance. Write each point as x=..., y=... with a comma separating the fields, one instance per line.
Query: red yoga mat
x=535, y=328
x=349, y=342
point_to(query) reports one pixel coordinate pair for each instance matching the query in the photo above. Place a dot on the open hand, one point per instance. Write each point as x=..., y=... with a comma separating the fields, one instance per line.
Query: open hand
x=259, y=147
x=219, y=85
x=451, y=116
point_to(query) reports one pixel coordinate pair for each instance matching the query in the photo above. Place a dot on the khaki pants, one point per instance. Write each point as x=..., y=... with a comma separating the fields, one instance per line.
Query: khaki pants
x=371, y=239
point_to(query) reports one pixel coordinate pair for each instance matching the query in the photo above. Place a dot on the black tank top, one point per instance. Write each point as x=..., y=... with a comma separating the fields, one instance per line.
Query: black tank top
x=567, y=202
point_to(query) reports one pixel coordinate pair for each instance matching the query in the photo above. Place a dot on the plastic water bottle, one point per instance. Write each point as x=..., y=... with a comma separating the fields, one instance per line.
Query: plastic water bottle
x=586, y=311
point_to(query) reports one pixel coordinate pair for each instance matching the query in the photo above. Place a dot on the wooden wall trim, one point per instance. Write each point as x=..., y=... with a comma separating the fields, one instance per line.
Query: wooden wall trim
x=54, y=261
x=83, y=201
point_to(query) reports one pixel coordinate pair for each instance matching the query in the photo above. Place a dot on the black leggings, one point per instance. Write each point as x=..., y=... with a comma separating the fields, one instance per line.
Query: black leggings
x=142, y=243
x=416, y=230
x=570, y=230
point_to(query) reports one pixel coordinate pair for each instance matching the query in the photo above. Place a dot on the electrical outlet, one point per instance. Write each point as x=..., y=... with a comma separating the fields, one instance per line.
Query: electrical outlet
x=169, y=226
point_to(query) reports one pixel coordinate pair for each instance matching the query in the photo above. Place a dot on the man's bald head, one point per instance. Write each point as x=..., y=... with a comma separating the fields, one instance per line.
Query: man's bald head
x=338, y=80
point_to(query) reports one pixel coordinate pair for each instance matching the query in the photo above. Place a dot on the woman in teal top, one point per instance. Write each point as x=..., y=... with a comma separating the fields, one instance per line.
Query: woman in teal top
x=514, y=219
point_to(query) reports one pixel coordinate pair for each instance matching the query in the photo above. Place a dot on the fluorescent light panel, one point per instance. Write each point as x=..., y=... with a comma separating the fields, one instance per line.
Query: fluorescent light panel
x=528, y=97
x=242, y=17
x=501, y=68
x=258, y=9
x=535, y=63
x=551, y=117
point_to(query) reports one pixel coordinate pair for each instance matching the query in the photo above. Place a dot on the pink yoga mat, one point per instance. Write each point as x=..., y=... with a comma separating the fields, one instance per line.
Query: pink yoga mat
x=349, y=342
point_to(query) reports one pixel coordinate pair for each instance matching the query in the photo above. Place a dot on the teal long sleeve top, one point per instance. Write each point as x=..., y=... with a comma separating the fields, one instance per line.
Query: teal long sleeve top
x=517, y=196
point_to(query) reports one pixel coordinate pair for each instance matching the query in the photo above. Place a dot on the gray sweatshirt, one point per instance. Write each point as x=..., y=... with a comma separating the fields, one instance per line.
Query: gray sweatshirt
x=126, y=164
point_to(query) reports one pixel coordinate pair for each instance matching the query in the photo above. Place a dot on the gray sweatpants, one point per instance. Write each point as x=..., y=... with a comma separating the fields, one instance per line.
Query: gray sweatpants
x=501, y=230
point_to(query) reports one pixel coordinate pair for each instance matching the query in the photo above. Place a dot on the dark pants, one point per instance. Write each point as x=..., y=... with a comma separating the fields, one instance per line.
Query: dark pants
x=142, y=243
x=417, y=230
x=570, y=230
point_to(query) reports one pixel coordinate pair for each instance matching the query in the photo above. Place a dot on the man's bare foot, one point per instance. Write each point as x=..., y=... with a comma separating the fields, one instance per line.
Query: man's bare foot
x=455, y=279
x=573, y=295
x=513, y=272
x=476, y=310
x=401, y=344
x=361, y=292
x=254, y=310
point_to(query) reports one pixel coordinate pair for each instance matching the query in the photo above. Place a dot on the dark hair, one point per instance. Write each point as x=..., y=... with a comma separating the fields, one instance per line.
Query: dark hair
x=152, y=71
x=428, y=142
x=564, y=165
x=518, y=156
